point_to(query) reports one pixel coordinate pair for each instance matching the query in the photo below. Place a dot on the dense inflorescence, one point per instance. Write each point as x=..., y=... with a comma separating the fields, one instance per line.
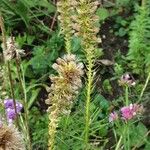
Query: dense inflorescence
x=63, y=90
x=86, y=24
x=65, y=9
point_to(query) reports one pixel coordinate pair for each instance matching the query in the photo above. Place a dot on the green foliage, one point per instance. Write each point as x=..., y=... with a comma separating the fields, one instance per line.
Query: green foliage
x=139, y=45
x=102, y=13
x=44, y=56
x=139, y=135
x=122, y=26
x=26, y=11
x=122, y=2
x=127, y=4
x=29, y=21
x=39, y=128
x=107, y=86
x=71, y=128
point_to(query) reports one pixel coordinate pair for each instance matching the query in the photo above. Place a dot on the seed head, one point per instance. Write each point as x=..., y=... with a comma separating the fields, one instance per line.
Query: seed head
x=10, y=138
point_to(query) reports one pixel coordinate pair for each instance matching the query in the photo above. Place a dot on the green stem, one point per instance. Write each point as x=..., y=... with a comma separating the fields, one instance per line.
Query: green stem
x=119, y=143
x=12, y=91
x=8, y=66
x=127, y=139
x=144, y=88
x=126, y=95
x=5, y=46
x=19, y=72
x=88, y=99
x=3, y=34
x=68, y=44
x=128, y=135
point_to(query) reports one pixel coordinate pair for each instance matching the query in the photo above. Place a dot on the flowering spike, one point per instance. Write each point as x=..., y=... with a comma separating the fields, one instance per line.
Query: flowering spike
x=65, y=9
x=63, y=91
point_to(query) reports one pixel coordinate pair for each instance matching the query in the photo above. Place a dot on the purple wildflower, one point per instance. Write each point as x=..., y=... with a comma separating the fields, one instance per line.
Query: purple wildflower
x=113, y=116
x=11, y=114
x=10, y=104
x=10, y=109
x=128, y=112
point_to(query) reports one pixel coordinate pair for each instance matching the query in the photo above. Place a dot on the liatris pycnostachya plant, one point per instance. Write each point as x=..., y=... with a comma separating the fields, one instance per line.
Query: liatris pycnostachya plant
x=65, y=9
x=10, y=138
x=63, y=91
x=86, y=26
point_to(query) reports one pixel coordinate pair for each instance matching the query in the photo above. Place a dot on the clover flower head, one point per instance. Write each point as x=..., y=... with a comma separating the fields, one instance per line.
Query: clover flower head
x=128, y=112
x=127, y=79
x=113, y=116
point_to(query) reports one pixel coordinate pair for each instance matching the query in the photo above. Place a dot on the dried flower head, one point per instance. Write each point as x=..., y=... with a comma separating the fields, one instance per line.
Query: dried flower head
x=12, y=50
x=10, y=138
x=66, y=85
x=127, y=79
x=63, y=90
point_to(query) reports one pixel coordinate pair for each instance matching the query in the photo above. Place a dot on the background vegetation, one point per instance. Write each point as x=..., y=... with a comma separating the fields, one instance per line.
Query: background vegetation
x=124, y=29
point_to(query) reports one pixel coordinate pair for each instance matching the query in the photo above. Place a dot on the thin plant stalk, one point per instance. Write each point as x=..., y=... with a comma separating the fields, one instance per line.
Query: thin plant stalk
x=8, y=66
x=19, y=72
x=12, y=91
x=144, y=88
x=119, y=143
x=128, y=135
x=127, y=125
x=126, y=95
x=87, y=32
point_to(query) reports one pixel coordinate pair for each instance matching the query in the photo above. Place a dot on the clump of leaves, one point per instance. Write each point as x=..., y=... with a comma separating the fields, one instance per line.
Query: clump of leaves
x=44, y=56
x=139, y=46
